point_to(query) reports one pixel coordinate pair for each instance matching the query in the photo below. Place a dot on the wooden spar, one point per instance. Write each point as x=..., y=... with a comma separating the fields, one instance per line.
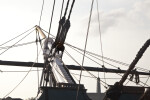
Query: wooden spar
x=137, y=58
x=71, y=67
x=107, y=70
x=23, y=64
x=40, y=31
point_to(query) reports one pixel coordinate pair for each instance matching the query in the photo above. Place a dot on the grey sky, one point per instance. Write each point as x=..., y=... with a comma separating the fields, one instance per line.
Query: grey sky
x=124, y=26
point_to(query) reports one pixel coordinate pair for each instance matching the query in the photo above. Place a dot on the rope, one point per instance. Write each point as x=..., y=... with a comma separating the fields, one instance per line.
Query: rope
x=96, y=55
x=16, y=43
x=71, y=9
x=101, y=78
x=85, y=45
x=91, y=54
x=51, y=18
x=100, y=38
x=107, y=58
x=66, y=8
x=16, y=36
x=119, y=74
x=62, y=8
x=21, y=80
x=147, y=80
x=95, y=58
x=16, y=71
x=18, y=83
x=87, y=57
x=41, y=13
x=100, y=33
x=84, y=68
x=37, y=59
x=133, y=81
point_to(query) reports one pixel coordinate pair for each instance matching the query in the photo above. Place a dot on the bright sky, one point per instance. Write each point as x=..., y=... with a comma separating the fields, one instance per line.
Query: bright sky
x=124, y=27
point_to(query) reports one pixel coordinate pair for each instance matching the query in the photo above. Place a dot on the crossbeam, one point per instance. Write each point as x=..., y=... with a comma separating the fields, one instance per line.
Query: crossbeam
x=71, y=67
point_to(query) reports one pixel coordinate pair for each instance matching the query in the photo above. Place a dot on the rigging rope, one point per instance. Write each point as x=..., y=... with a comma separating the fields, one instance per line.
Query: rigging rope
x=17, y=71
x=87, y=57
x=51, y=17
x=110, y=59
x=116, y=67
x=37, y=35
x=94, y=57
x=22, y=79
x=97, y=55
x=18, y=83
x=133, y=81
x=100, y=34
x=62, y=9
x=71, y=9
x=101, y=78
x=85, y=46
x=93, y=54
x=22, y=44
x=66, y=8
x=147, y=80
x=16, y=43
x=41, y=13
x=17, y=36
x=41, y=70
x=84, y=68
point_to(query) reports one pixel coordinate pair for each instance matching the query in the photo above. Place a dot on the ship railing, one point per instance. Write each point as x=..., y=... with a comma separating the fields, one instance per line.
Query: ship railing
x=71, y=86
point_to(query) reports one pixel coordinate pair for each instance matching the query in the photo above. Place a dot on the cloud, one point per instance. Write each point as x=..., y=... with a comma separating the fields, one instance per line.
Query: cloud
x=140, y=12
x=110, y=19
x=137, y=19
x=107, y=20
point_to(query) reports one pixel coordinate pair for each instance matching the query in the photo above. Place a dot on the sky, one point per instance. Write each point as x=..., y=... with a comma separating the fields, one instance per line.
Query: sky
x=124, y=29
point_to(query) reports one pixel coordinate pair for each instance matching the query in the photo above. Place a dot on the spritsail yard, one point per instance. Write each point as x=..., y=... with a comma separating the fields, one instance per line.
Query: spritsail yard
x=58, y=81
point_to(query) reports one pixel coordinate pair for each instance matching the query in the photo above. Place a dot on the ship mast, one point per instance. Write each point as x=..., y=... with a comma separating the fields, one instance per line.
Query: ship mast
x=115, y=91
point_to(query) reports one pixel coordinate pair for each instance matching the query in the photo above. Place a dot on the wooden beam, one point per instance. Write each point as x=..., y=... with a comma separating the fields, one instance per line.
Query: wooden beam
x=71, y=67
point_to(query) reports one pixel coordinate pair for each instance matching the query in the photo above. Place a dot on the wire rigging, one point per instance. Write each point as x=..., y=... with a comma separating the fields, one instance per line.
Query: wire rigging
x=51, y=17
x=85, y=45
x=18, y=83
x=84, y=68
x=37, y=36
x=17, y=36
x=94, y=54
x=16, y=71
x=62, y=9
x=146, y=80
x=16, y=43
x=100, y=34
x=71, y=9
x=23, y=77
x=22, y=44
x=117, y=73
x=66, y=8
x=101, y=78
x=41, y=13
x=94, y=57
x=87, y=56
